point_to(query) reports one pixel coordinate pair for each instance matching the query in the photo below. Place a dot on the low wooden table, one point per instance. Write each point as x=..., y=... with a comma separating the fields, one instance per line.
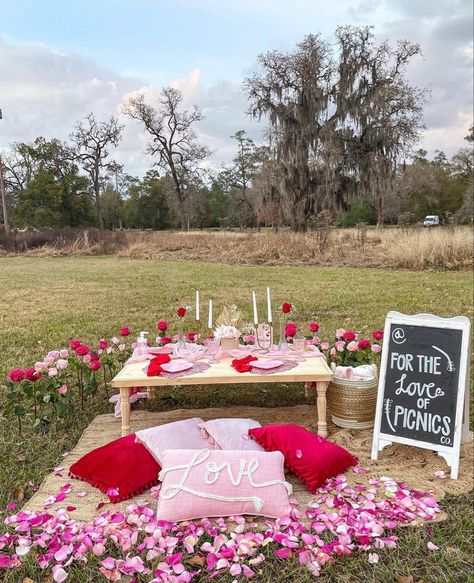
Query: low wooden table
x=312, y=371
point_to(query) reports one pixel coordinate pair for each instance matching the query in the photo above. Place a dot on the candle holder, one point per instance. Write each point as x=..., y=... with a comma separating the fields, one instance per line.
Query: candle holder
x=264, y=337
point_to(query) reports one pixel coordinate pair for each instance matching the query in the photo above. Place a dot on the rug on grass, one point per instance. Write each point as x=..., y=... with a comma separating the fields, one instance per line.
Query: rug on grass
x=420, y=469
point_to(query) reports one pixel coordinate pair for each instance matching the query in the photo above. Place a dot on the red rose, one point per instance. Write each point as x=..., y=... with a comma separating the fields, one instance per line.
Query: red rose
x=125, y=331
x=82, y=350
x=286, y=308
x=349, y=336
x=181, y=312
x=377, y=335
x=95, y=365
x=364, y=344
x=74, y=343
x=314, y=326
x=16, y=375
x=32, y=375
x=103, y=344
x=192, y=336
x=165, y=340
x=94, y=356
x=290, y=330
x=162, y=325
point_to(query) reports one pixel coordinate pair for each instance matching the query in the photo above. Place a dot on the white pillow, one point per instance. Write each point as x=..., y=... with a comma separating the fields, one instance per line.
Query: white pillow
x=185, y=434
x=231, y=434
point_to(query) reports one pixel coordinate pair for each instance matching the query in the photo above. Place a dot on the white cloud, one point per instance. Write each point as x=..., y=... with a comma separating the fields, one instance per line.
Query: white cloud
x=44, y=92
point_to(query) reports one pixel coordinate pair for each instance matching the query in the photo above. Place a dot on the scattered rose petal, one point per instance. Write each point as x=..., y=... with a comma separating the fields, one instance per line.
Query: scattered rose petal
x=299, y=453
x=373, y=558
x=432, y=547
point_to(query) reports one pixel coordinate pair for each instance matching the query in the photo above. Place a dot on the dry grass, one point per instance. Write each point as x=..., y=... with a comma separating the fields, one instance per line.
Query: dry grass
x=443, y=248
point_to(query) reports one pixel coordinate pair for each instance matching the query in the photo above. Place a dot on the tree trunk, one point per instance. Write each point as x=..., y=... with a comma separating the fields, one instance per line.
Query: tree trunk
x=379, y=212
x=4, y=202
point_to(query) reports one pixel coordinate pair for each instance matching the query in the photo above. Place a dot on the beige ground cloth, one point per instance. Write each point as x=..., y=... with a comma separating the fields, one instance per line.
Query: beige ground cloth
x=408, y=464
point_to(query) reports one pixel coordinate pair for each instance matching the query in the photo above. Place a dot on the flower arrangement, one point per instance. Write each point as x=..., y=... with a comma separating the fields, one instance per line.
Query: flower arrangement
x=349, y=349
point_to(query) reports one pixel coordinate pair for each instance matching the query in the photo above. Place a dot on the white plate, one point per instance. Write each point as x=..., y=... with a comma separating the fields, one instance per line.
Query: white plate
x=266, y=364
x=177, y=366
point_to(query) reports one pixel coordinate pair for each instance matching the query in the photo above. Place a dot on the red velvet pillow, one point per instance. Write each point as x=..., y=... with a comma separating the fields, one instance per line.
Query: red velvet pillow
x=310, y=457
x=121, y=465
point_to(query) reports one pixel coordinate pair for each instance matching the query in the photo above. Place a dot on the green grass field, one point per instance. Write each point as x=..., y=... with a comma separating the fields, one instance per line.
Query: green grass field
x=45, y=302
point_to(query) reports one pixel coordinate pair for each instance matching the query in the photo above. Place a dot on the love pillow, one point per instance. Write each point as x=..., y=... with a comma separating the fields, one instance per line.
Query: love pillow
x=185, y=434
x=230, y=433
x=310, y=457
x=215, y=483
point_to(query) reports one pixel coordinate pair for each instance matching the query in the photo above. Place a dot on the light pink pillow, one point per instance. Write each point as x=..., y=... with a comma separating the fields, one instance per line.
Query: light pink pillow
x=213, y=483
x=185, y=434
x=231, y=434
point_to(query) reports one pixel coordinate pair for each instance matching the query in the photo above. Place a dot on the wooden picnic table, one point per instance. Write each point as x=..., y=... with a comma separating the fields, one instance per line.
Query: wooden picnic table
x=313, y=371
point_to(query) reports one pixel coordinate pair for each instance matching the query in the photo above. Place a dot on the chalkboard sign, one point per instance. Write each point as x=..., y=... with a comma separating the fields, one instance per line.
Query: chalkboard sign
x=422, y=387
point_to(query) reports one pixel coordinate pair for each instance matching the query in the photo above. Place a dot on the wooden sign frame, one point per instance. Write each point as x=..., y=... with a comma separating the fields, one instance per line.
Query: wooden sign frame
x=461, y=419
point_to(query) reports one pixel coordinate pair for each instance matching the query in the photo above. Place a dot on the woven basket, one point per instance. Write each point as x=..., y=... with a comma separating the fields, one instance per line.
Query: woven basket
x=352, y=403
x=229, y=343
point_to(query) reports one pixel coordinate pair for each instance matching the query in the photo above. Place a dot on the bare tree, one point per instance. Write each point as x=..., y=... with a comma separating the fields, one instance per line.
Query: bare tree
x=340, y=115
x=173, y=143
x=92, y=140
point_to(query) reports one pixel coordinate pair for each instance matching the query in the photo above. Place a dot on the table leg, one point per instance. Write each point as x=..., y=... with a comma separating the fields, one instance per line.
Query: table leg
x=125, y=409
x=149, y=393
x=321, y=387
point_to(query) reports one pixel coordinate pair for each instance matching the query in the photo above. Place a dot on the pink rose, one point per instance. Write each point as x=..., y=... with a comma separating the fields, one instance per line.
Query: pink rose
x=314, y=326
x=61, y=363
x=290, y=329
x=53, y=371
x=122, y=347
x=192, y=336
x=333, y=353
x=103, y=344
x=249, y=338
x=62, y=389
x=124, y=331
x=376, y=348
x=324, y=345
x=110, y=350
x=162, y=325
x=95, y=365
x=339, y=345
x=340, y=332
x=165, y=340
x=115, y=340
x=53, y=353
x=64, y=353
x=39, y=366
x=48, y=360
x=86, y=359
x=74, y=343
x=353, y=346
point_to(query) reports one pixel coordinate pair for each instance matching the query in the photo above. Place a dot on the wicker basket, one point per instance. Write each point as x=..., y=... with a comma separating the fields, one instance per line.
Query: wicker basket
x=229, y=343
x=352, y=402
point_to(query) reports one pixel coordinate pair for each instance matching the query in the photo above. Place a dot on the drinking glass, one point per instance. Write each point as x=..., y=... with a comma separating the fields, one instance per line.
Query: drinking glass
x=299, y=344
x=213, y=346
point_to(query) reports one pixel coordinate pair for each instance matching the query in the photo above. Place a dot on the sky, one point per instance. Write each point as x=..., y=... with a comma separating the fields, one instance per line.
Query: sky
x=61, y=59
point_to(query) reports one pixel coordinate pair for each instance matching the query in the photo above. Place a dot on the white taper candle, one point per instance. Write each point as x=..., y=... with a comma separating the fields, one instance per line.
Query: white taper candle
x=255, y=315
x=269, y=306
x=197, y=305
x=210, y=314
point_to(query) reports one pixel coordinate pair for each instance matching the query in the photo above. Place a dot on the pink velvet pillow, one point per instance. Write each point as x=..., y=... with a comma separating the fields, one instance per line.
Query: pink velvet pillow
x=213, y=483
x=185, y=434
x=310, y=457
x=230, y=434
